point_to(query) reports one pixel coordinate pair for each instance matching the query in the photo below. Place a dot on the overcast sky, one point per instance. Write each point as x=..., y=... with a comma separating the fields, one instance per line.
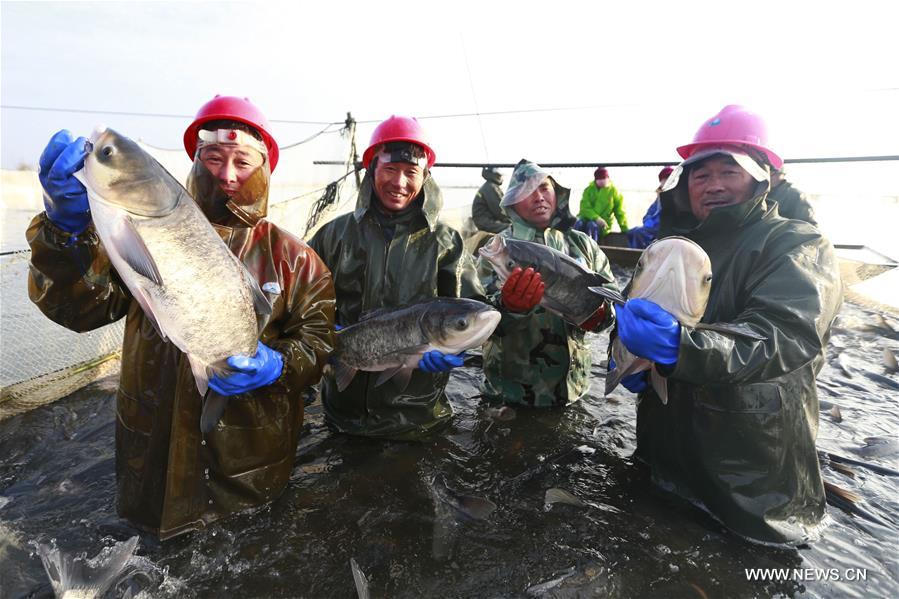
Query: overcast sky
x=632, y=79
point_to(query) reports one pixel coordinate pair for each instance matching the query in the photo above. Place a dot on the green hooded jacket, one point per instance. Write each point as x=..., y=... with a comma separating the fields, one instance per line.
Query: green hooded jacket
x=424, y=259
x=603, y=202
x=737, y=436
x=536, y=358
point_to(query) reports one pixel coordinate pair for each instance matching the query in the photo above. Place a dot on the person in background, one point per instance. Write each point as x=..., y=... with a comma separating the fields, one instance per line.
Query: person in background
x=599, y=202
x=737, y=435
x=171, y=477
x=640, y=237
x=791, y=203
x=486, y=211
x=390, y=252
x=534, y=357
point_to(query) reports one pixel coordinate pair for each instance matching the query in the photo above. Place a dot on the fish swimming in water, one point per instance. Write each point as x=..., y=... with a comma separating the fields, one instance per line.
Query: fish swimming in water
x=191, y=287
x=676, y=274
x=566, y=280
x=392, y=341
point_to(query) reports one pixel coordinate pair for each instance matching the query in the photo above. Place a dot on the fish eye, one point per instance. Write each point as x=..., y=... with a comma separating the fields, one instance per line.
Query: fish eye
x=108, y=151
x=461, y=324
x=510, y=264
x=708, y=278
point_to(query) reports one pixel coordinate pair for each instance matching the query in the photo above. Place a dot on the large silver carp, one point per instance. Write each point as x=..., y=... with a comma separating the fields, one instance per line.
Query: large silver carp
x=194, y=291
x=566, y=280
x=393, y=341
x=676, y=274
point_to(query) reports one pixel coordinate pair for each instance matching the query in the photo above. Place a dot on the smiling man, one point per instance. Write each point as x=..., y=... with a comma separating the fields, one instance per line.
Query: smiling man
x=390, y=252
x=737, y=435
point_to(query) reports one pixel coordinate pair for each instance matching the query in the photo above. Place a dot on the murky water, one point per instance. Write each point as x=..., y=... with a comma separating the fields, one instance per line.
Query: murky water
x=373, y=501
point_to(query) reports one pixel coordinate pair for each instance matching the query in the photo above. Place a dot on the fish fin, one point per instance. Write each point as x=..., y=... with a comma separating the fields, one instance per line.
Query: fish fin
x=613, y=378
x=213, y=408
x=386, y=375
x=374, y=312
x=610, y=294
x=343, y=374
x=739, y=330
x=201, y=374
x=359, y=578
x=261, y=303
x=402, y=377
x=145, y=300
x=660, y=384
x=131, y=247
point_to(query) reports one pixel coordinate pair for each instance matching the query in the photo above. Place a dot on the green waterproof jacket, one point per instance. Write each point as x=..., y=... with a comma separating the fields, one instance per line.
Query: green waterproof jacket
x=486, y=211
x=171, y=478
x=737, y=436
x=536, y=358
x=792, y=203
x=424, y=259
x=603, y=202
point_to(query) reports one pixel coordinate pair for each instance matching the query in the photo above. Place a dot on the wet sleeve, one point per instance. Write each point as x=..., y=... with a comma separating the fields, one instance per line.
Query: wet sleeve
x=70, y=278
x=457, y=274
x=792, y=299
x=306, y=337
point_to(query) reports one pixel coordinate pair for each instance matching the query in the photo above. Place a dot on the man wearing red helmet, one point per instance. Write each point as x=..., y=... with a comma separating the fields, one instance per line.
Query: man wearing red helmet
x=172, y=478
x=390, y=252
x=737, y=435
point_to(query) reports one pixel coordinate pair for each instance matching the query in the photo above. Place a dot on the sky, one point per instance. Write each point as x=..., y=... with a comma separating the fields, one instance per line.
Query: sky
x=586, y=82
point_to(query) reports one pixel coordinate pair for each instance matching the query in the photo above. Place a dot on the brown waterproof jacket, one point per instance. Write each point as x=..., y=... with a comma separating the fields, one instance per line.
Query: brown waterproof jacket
x=171, y=478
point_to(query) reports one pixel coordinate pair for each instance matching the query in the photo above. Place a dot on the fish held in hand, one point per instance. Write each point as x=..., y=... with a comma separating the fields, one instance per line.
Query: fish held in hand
x=393, y=341
x=191, y=287
x=675, y=273
x=566, y=280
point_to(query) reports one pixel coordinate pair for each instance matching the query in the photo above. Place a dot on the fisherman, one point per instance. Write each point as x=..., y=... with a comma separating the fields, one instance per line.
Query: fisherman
x=640, y=237
x=599, y=202
x=534, y=357
x=486, y=211
x=390, y=252
x=791, y=203
x=171, y=477
x=737, y=435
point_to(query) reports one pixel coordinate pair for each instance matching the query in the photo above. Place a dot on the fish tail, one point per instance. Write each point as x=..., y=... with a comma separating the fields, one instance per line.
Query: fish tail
x=213, y=408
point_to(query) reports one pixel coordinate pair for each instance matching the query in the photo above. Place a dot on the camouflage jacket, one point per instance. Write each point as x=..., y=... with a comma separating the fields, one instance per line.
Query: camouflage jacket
x=538, y=359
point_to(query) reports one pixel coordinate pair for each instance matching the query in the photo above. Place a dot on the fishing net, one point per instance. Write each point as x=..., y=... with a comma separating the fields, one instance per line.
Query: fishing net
x=42, y=361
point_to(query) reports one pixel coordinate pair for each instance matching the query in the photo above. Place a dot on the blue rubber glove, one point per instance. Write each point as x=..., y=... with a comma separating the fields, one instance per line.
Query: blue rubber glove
x=635, y=383
x=250, y=373
x=435, y=361
x=65, y=198
x=649, y=331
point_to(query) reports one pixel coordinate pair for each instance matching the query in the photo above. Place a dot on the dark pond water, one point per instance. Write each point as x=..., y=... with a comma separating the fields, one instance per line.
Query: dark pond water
x=377, y=503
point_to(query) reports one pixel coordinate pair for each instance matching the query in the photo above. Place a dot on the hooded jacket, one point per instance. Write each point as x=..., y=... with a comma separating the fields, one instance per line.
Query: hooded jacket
x=603, y=202
x=792, y=203
x=486, y=211
x=737, y=436
x=172, y=478
x=419, y=258
x=537, y=358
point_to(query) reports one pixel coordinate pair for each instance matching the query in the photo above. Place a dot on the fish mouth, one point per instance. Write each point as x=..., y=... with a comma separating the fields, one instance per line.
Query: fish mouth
x=492, y=248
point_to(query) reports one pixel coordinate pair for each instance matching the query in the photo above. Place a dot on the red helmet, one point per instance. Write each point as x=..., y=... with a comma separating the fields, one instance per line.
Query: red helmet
x=398, y=128
x=734, y=125
x=233, y=109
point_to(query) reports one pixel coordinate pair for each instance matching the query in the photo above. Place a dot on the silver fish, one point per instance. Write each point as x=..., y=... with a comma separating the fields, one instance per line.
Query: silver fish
x=194, y=291
x=676, y=274
x=360, y=579
x=566, y=280
x=557, y=495
x=392, y=341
